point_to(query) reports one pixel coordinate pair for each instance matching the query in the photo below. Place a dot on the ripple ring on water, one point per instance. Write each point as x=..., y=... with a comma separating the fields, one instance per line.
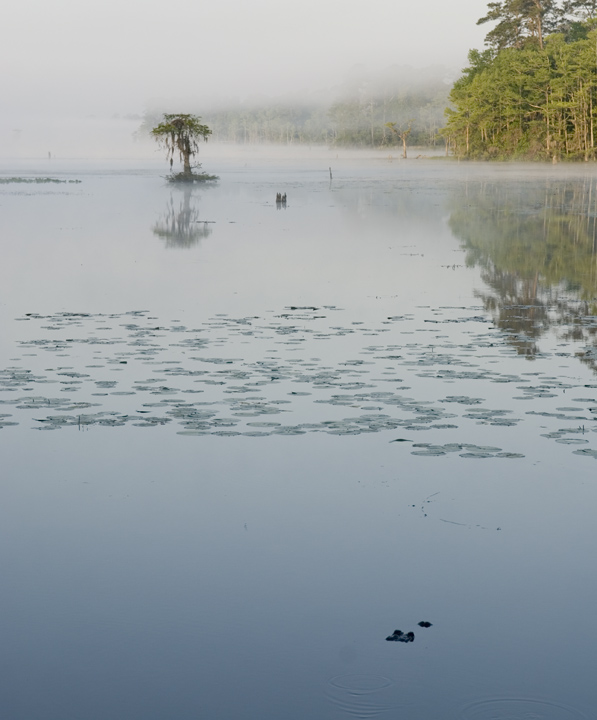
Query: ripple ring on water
x=361, y=684
x=519, y=709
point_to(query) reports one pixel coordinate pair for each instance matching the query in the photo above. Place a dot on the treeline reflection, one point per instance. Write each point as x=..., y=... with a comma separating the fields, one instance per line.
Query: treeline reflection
x=537, y=250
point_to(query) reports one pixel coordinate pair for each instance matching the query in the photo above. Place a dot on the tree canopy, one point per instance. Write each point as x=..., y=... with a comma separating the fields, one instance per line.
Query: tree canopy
x=533, y=92
x=519, y=21
x=182, y=134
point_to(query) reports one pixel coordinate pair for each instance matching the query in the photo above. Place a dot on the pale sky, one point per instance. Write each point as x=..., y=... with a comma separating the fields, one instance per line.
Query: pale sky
x=116, y=56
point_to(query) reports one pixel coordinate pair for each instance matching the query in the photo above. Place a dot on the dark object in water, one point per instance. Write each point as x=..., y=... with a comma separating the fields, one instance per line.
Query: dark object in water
x=424, y=623
x=399, y=636
x=280, y=200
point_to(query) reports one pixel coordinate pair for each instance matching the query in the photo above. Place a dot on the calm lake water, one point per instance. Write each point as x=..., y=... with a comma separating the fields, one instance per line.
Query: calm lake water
x=242, y=443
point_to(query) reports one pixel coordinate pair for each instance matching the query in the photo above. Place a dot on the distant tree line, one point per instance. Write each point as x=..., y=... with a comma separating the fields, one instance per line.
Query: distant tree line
x=357, y=117
x=532, y=93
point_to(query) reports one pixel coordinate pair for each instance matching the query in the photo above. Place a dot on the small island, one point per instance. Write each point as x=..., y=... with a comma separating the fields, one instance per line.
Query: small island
x=182, y=133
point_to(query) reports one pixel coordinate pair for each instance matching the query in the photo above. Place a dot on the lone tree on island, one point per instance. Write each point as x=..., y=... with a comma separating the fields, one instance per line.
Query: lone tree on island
x=182, y=133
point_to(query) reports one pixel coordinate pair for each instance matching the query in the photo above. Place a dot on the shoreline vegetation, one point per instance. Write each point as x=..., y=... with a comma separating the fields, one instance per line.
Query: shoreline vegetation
x=532, y=94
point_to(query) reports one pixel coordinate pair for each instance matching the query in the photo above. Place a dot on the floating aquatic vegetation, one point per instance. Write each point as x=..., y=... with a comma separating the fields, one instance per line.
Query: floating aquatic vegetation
x=36, y=181
x=558, y=415
x=6, y=423
x=491, y=417
x=586, y=452
x=571, y=441
x=109, y=419
x=472, y=451
x=478, y=455
x=343, y=393
x=462, y=400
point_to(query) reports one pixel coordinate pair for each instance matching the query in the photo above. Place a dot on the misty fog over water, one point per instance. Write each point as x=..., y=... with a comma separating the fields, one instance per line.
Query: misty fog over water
x=66, y=60
x=78, y=79
x=244, y=442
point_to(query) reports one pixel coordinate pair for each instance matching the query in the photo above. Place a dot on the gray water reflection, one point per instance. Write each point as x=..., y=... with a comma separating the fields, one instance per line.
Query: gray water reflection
x=537, y=249
x=180, y=225
x=266, y=455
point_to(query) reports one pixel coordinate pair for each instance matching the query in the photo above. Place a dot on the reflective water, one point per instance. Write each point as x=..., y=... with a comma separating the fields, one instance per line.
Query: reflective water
x=244, y=443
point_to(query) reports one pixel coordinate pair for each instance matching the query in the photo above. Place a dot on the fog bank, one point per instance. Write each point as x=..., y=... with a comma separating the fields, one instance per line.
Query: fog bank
x=70, y=59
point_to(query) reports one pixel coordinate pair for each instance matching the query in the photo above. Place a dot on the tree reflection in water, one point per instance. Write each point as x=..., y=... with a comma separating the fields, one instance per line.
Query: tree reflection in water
x=180, y=227
x=536, y=245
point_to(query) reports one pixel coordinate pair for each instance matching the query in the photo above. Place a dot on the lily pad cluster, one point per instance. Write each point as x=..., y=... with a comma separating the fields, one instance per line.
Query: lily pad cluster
x=301, y=370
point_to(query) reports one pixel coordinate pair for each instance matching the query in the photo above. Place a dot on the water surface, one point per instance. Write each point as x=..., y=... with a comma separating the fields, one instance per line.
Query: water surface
x=242, y=444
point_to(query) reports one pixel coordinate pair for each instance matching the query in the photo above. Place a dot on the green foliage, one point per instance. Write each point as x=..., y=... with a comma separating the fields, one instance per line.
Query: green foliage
x=528, y=100
x=520, y=22
x=181, y=133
